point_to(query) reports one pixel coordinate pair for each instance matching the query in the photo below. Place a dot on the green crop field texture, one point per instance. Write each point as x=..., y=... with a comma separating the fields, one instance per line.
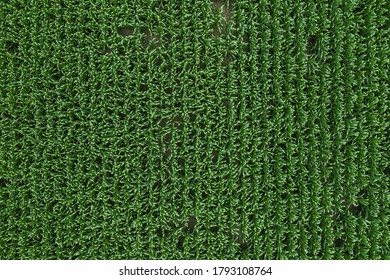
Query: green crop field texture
x=194, y=129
